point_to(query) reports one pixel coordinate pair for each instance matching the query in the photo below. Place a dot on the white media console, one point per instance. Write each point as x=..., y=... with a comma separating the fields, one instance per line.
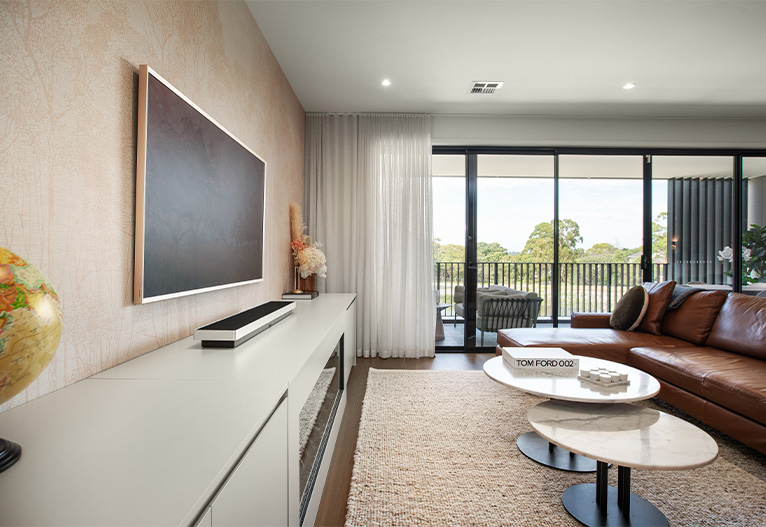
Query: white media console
x=183, y=435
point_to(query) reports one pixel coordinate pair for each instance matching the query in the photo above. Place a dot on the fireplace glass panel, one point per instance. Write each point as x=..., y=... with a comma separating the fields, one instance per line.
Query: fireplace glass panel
x=315, y=422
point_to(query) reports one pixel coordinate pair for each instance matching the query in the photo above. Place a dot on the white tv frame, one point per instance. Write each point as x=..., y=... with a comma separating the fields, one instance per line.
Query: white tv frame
x=138, y=258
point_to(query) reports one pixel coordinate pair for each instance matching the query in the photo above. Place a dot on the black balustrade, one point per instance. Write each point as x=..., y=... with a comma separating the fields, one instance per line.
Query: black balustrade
x=584, y=287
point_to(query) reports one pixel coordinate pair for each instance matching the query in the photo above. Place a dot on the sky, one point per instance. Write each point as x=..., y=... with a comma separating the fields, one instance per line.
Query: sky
x=509, y=208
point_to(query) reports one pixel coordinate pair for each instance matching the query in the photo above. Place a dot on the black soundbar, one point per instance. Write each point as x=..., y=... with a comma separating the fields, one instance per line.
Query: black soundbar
x=232, y=331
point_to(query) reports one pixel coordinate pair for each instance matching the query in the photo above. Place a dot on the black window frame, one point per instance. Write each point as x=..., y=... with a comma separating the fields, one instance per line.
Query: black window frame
x=471, y=154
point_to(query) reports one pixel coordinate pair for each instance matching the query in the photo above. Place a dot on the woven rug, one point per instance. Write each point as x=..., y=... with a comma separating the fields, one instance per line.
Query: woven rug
x=438, y=448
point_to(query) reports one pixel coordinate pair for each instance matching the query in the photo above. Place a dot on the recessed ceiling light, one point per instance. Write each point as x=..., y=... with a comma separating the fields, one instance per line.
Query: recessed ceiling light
x=386, y=82
x=629, y=86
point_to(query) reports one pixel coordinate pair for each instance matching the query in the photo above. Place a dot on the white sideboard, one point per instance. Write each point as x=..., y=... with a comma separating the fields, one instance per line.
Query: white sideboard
x=179, y=435
x=255, y=495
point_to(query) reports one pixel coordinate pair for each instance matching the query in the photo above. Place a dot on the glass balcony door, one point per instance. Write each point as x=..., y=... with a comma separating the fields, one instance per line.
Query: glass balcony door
x=754, y=238
x=701, y=223
x=578, y=227
x=491, y=205
x=600, y=230
x=449, y=206
x=514, y=264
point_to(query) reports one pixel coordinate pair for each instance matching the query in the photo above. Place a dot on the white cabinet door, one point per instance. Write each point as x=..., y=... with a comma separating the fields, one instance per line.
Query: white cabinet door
x=256, y=493
x=207, y=519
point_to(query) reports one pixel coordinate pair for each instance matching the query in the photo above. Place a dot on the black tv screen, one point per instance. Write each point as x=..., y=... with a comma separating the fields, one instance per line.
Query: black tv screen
x=199, y=199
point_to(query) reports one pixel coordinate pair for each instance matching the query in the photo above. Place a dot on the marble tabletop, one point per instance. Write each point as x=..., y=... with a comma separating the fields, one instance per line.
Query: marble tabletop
x=624, y=434
x=570, y=388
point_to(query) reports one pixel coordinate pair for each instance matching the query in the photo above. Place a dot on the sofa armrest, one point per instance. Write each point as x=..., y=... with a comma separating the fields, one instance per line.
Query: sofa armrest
x=590, y=320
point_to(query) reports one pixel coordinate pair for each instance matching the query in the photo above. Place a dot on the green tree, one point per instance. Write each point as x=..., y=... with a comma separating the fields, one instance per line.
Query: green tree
x=602, y=252
x=491, y=252
x=660, y=238
x=608, y=253
x=539, y=246
x=449, y=252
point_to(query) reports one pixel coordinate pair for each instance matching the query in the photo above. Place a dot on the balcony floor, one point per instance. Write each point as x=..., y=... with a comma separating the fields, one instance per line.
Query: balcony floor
x=453, y=335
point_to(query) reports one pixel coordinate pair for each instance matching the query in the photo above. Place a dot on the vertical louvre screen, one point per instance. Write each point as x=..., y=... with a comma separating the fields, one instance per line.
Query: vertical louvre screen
x=700, y=224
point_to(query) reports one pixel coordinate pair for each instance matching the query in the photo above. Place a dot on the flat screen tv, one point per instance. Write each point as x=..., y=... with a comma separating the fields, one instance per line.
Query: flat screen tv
x=200, y=196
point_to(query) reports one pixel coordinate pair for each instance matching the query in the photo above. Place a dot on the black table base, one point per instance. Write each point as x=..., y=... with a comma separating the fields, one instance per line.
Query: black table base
x=10, y=453
x=599, y=505
x=538, y=449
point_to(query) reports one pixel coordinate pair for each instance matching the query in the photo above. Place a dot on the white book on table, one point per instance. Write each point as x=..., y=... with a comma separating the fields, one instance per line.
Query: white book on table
x=542, y=359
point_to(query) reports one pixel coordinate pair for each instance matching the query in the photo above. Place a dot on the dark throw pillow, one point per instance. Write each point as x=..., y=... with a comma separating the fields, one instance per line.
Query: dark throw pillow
x=630, y=309
x=659, y=298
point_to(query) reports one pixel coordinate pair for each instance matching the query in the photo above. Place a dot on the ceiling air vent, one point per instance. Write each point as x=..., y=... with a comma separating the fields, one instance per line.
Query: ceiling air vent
x=485, y=86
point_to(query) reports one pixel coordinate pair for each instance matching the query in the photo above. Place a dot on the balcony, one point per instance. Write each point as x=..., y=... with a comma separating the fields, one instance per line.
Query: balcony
x=584, y=287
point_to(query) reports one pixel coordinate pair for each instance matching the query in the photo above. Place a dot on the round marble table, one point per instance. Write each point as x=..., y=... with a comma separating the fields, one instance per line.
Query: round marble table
x=569, y=388
x=628, y=436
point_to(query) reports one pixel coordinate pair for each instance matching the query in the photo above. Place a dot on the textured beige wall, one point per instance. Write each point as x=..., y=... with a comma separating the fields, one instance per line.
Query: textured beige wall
x=68, y=71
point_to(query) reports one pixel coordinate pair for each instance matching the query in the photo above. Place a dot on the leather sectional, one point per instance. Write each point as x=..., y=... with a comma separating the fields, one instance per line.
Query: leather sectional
x=709, y=356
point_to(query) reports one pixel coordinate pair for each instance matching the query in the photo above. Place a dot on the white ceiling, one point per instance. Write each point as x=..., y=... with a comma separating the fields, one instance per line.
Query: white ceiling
x=691, y=58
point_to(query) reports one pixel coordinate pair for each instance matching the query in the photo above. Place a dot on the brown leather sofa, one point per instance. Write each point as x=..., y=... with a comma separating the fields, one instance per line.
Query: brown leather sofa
x=710, y=357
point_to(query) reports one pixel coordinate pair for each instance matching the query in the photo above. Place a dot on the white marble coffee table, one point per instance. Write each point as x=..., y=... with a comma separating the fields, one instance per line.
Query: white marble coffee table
x=569, y=388
x=628, y=436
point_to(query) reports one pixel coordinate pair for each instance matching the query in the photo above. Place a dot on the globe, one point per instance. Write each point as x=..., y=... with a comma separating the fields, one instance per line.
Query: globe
x=30, y=331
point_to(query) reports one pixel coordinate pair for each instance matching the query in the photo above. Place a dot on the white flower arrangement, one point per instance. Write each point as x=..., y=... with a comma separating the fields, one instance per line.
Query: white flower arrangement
x=728, y=254
x=753, y=255
x=308, y=256
x=311, y=260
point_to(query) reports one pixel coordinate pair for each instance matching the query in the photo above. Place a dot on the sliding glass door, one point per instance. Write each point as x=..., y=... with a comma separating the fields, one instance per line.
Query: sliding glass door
x=577, y=227
x=753, y=278
x=514, y=250
x=449, y=200
x=701, y=223
x=600, y=230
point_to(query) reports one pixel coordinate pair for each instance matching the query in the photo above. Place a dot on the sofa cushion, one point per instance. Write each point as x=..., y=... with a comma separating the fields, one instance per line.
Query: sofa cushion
x=679, y=295
x=610, y=344
x=694, y=319
x=683, y=366
x=741, y=326
x=659, y=298
x=736, y=425
x=734, y=381
x=630, y=309
x=742, y=389
x=589, y=320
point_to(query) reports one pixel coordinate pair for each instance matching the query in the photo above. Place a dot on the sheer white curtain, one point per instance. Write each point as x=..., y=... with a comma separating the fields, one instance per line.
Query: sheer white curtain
x=368, y=201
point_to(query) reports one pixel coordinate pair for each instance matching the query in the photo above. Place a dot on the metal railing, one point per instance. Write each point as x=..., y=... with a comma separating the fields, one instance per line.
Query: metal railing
x=584, y=287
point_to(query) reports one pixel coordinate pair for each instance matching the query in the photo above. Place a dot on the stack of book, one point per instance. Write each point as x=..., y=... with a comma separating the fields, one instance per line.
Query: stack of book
x=554, y=360
x=304, y=295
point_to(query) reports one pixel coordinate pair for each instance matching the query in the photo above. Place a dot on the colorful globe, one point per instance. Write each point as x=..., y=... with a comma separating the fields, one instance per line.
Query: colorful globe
x=30, y=324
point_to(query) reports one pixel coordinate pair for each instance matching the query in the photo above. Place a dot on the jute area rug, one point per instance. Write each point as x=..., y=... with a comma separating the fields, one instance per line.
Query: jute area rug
x=438, y=448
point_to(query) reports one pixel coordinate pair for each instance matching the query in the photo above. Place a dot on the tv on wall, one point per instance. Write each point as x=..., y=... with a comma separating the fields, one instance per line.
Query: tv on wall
x=200, y=196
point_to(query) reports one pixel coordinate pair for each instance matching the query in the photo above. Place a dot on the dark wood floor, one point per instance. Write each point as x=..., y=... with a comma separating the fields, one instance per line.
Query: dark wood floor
x=332, y=509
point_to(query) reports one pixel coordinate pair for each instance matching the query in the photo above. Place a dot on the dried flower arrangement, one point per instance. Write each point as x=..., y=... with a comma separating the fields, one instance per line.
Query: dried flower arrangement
x=308, y=257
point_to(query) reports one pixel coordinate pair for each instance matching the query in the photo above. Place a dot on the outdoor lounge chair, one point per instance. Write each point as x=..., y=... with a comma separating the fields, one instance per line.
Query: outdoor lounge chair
x=500, y=307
